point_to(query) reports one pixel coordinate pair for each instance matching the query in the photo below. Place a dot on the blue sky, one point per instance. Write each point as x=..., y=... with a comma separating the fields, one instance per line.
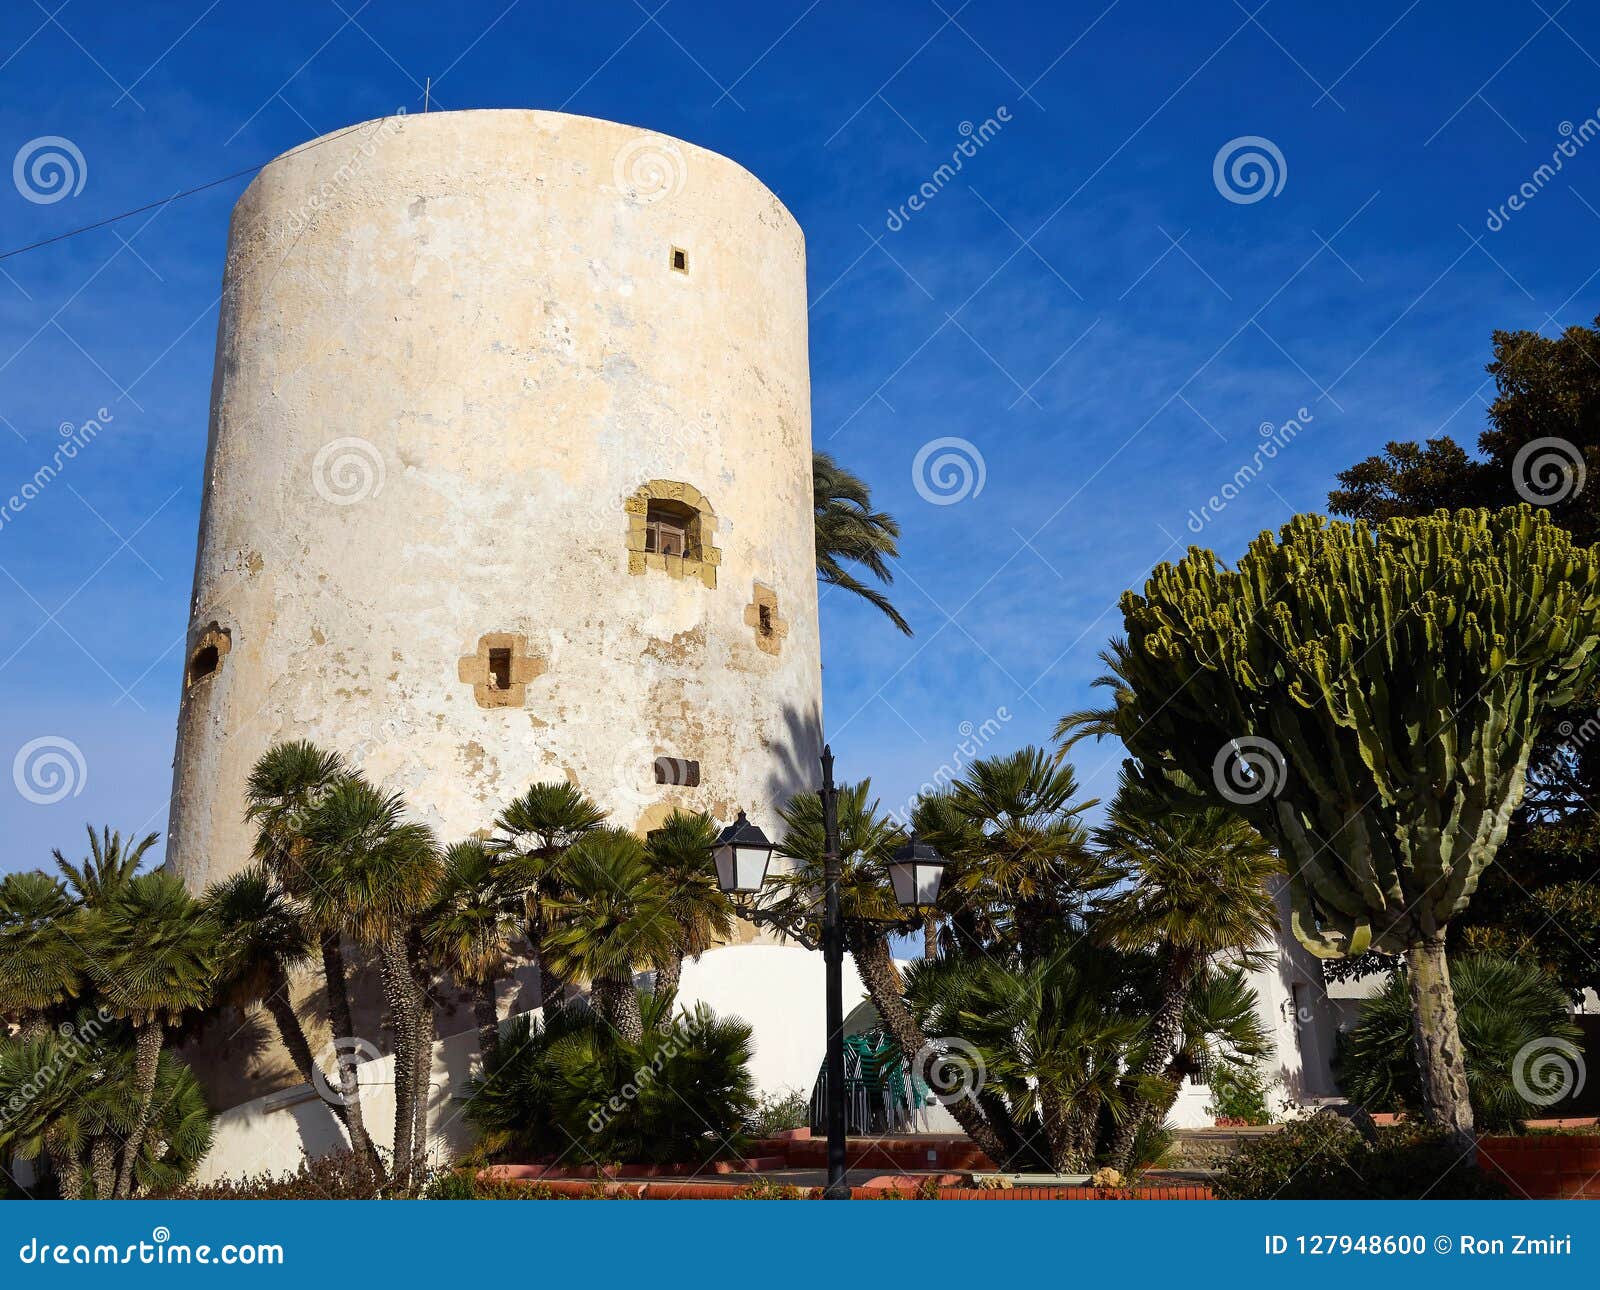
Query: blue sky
x=1082, y=303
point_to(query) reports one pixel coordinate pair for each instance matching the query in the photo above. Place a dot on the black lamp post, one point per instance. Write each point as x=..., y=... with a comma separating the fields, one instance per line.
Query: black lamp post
x=741, y=854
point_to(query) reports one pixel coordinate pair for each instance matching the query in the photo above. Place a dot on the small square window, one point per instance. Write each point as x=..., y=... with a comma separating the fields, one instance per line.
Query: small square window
x=499, y=669
x=680, y=260
x=764, y=623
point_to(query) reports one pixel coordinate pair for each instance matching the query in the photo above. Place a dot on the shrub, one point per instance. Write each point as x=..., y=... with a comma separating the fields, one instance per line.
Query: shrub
x=1324, y=1158
x=332, y=1177
x=1503, y=1005
x=1239, y=1095
x=678, y=1097
x=776, y=1112
x=465, y=1184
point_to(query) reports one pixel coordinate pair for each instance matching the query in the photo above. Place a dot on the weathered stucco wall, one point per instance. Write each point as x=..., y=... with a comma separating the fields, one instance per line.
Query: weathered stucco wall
x=452, y=348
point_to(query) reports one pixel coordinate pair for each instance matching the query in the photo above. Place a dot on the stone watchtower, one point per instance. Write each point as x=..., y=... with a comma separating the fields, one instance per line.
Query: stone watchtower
x=509, y=479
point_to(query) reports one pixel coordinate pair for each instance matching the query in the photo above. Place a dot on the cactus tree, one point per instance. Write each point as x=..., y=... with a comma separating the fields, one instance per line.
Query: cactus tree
x=1367, y=697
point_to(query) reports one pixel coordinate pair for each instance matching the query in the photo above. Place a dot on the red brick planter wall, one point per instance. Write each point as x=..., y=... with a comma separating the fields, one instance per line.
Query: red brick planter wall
x=1547, y=1167
x=572, y=1189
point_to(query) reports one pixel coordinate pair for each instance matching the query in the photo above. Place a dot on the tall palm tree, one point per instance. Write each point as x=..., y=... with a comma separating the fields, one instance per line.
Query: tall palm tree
x=534, y=832
x=158, y=960
x=264, y=938
x=284, y=786
x=870, y=915
x=1194, y=883
x=40, y=966
x=849, y=530
x=371, y=875
x=679, y=854
x=472, y=928
x=106, y=870
x=610, y=917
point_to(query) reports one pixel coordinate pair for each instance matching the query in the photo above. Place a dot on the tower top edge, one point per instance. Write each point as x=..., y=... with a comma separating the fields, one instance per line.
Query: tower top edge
x=540, y=120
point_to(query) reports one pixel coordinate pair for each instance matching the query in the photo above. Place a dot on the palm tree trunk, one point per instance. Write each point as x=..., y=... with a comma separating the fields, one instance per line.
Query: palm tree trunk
x=67, y=1167
x=487, y=1014
x=617, y=1002
x=147, y=1055
x=343, y=1027
x=397, y=993
x=870, y=949
x=103, y=1166
x=550, y=983
x=427, y=1028
x=930, y=934
x=1163, y=1037
x=668, y=973
x=1440, y=1059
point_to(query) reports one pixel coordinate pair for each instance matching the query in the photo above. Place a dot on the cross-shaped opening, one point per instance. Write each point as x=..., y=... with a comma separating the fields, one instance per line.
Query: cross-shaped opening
x=764, y=619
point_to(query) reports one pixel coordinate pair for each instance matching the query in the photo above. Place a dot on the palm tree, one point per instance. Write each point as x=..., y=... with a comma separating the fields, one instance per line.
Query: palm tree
x=40, y=967
x=1195, y=884
x=535, y=831
x=870, y=914
x=47, y=1090
x=264, y=938
x=1098, y=723
x=1050, y=1037
x=610, y=916
x=370, y=875
x=848, y=529
x=286, y=783
x=158, y=960
x=1013, y=825
x=471, y=929
x=106, y=870
x=679, y=854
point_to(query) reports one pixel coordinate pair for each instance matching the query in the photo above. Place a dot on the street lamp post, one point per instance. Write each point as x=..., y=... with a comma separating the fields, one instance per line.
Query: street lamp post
x=741, y=854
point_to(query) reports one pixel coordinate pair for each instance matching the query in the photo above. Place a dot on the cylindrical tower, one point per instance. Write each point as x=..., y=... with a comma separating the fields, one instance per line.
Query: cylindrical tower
x=509, y=479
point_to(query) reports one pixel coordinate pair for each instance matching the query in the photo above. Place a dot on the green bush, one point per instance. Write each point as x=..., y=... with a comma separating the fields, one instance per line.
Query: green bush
x=776, y=1112
x=1240, y=1095
x=1324, y=1158
x=572, y=1086
x=1503, y=1006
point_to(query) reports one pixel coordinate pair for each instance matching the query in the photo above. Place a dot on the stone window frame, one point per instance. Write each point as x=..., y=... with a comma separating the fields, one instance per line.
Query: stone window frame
x=764, y=597
x=636, y=507
x=475, y=669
